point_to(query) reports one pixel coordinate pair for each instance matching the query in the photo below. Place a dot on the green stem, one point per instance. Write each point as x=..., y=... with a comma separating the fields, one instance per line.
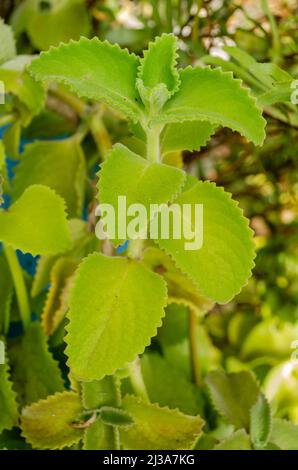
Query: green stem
x=274, y=30
x=153, y=150
x=19, y=284
x=136, y=379
x=194, y=348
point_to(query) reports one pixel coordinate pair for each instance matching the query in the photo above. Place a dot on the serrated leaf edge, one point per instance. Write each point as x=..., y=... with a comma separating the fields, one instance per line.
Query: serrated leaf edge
x=164, y=116
x=253, y=252
x=133, y=115
x=131, y=358
x=70, y=442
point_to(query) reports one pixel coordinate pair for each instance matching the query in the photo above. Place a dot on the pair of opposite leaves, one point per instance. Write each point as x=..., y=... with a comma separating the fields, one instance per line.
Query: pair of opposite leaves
x=113, y=296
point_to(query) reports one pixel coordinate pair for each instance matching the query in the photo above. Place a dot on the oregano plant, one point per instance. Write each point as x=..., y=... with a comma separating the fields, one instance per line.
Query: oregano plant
x=116, y=303
x=129, y=316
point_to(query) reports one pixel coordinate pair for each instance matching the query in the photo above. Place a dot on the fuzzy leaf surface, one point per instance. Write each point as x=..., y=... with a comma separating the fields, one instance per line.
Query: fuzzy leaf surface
x=126, y=174
x=106, y=331
x=93, y=69
x=233, y=395
x=47, y=424
x=36, y=222
x=214, y=96
x=35, y=372
x=59, y=165
x=158, y=427
x=222, y=266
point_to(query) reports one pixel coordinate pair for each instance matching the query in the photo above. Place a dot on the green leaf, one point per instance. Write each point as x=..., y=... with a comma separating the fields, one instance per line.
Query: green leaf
x=188, y=135
x=95, y=395
x=99, y=436
x=158, y=428
x=260, y=422
x=181, y=290
x=59, y=165
x=239, y=440
x=61, y=21
x=158, y=64
x=233, y=395
x=8, y=403
x=36, y=222
x=82, y=243
x=134, y=303
x=11, y=140
x=56, y=304
x=6, y=292
x=126, y=174
x=222, y=266
x=284, y=434
x=115, y=417
x=35, y=373
x=158, y=78
x=100, y=393
x=30, y=94
x=95, y=70
x=8, y=47
x=47, y=424
x=214, y=96
x=168, y=387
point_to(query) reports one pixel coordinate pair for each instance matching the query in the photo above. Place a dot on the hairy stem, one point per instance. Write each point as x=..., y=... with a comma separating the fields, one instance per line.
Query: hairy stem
x=19, y=284
x=153, y=147
x=194, y=349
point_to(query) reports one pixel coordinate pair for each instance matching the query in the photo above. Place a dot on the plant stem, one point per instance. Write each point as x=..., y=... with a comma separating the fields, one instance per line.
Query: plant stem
x=153, y=150
x=274, y=31
x=19, y=284
x=194, y=349
x=136, y=378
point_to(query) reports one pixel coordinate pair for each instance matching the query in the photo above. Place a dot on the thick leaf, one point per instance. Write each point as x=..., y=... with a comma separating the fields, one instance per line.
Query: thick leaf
x=8, y=48
x=222, y=266
x=115, y=417
x=158, y=78
x=284, y=434
x=95, y=70
x=59, y=165
x=158, y=64
x=59, y=21
x=188, y=135
x=260, y=422
x=11, y=140
x=239, y=440
x=126, y=174
x=99, y=436
x=8, y=403
x=181, y=290
x=6, y=291
x=82, y=243
x=214, y=96
x=56, y=304
x=233, y=395
x=116, y=306
x=168, y=387
x=34, y=371
x=158, y=428
x=47, y=424
x=36, y=222
x=100, y=393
